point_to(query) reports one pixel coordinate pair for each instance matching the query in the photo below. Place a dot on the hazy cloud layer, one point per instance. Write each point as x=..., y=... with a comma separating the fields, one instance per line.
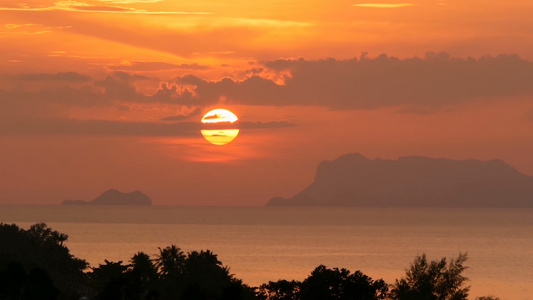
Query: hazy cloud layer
x=41, y=111
x=65, y=96
x=434, y=81
x=90, y=6
x=383, y=5
x=61, y=76
x=156, y=66
x=413, y=84
x=265, y=125
x=127, y=76
x=184, y=114
x=96, y=127
x=118, y=128
x=42, y=95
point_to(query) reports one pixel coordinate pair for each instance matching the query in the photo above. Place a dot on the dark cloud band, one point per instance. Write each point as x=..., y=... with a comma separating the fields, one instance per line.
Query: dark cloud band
x=365, y=83
x=50, y=127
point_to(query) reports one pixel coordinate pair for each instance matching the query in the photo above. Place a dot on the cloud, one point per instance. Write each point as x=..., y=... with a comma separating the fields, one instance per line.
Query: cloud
x=213, y=117
x=157, y=66
x=253, y=91
x=170, y=93
x=63, y=89
x=60, y=92
x=49, y=127
x=80, y=6
x=253, y=71
x=412, y=85
x=21, y=100
x=42, y=111
x=265, y=125
x=127, y=76
x=434, y=81
x=121, y=90
x=175, y=118
x=97, y=127
x=210, y=53
x=266, y=23
x=61, y=76
x=184, y=114
x=27, y=29
x=383, y=5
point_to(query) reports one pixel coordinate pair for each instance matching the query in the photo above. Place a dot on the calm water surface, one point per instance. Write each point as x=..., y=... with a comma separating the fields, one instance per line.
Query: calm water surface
x=264, y=243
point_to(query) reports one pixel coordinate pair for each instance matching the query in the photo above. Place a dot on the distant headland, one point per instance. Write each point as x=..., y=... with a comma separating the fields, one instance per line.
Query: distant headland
x=114, y=197
x=354, y=180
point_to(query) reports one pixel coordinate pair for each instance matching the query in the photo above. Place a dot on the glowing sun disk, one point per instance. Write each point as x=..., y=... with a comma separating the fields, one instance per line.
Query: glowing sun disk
x=219, y=136
x=219, y=115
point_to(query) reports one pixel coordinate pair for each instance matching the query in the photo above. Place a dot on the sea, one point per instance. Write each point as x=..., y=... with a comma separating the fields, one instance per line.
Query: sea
x=262, y=244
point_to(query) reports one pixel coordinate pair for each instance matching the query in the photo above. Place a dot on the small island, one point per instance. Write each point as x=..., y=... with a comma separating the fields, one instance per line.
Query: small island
x=114, y=197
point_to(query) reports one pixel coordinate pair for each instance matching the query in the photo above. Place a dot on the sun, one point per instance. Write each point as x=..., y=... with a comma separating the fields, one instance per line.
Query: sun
x=219, y=115
x=220, y=128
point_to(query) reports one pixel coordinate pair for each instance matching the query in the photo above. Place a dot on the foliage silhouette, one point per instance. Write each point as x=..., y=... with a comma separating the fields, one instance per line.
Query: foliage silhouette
x=435, y=280
x=41, y=253
x=108, y=281
x=16, y=283
x=327, y=284
x=170, y=262
x=137, y=281
x=207, y=278
x=143, y=267
x=206, y=273
x=35, y=264
x=143, y=277
x=280, y=290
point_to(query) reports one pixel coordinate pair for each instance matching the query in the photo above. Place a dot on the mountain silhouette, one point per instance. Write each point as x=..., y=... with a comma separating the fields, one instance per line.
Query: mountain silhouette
x=354, y=180
x=114, y=197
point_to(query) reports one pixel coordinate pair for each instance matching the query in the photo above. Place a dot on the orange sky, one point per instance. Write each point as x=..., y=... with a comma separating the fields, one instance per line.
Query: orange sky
x=109, y=93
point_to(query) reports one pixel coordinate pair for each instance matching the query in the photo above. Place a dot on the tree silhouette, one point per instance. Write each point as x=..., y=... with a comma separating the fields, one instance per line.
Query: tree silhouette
x=170, y=261
x=108, y=281
x=35, y=264
x=435, y=280
x=41, y=253
x=44, y=234
x=490, y=297
x=280, y=290
x=143, y=267
x=206, y=277
x=237, y=290
x=326, y=284
x=205, y=271
x=16, y=283
x=143, y=277
x=114, y=280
